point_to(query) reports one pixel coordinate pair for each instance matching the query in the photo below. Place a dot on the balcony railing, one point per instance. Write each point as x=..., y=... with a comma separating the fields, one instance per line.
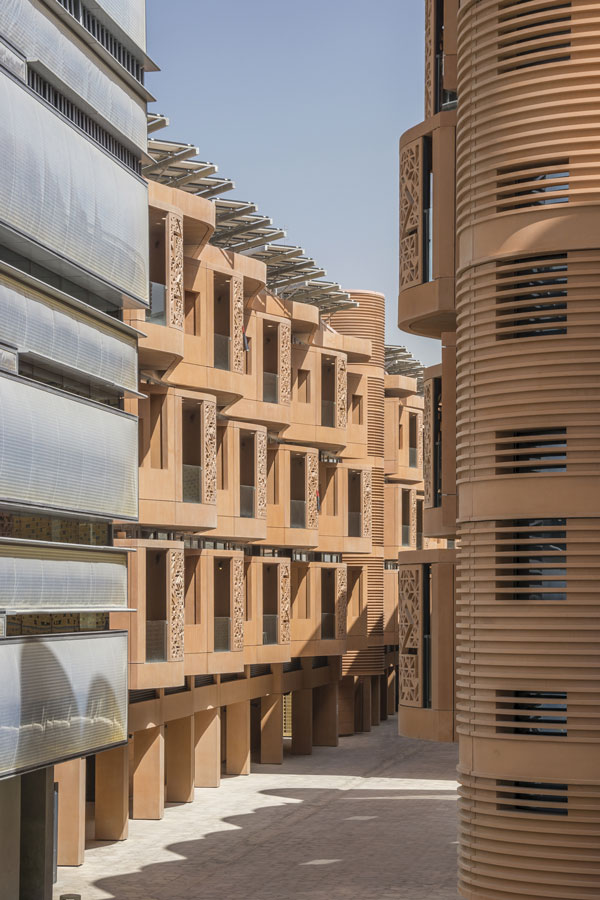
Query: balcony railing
x=156, y=640
x=270, y=387
x=222, y=344
x=157, y=314
x=327, y=626
x=270, y=629
x=298, y=513
x=247, y=501
x=328, y=413
x=413, y=457
x=222, y=634
x=354, y=524
x=406, y=535
x=192, y=484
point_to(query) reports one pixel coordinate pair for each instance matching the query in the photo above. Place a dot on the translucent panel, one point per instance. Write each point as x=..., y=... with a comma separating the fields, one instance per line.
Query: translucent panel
x=38, y=324
x=130, y=15
x=58, y=578
x=37, y=36
x=67, y=454
x=62, y=696
x=63, y=191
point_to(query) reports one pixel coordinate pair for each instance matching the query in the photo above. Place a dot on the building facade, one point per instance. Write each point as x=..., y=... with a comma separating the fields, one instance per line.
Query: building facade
x=73, y=254
x=498, y=261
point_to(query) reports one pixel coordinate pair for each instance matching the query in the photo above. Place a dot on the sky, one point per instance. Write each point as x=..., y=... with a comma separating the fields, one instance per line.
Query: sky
x=302, y=105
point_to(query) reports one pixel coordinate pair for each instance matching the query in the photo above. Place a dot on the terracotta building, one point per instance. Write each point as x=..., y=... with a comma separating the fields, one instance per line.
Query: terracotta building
x=498, y=261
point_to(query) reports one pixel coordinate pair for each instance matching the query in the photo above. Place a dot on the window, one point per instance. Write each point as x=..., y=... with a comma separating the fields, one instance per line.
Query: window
x=538, y=797
x=532, y=713
x=152, y=431
x=406, y=517
x=328, y=490
x=531, y=560
x=531, y=297
x=191, y=323
x=303, y=386
x=221, y=458
x=540, y=183
x=355, y=599
x=300, y=592
x=272, y=476
x=356, y=409
x=413, y=431
x=537, y=450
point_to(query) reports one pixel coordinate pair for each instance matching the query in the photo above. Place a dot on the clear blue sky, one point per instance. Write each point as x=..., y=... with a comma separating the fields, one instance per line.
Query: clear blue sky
x=302, y=105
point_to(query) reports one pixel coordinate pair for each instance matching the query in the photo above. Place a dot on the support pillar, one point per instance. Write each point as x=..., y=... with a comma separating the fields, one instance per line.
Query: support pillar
x=10, y=837
x=364, y=689
x=375, y=700
x=238, y=738
x=346, y=701
x=383, y=698
x=70, y=777
x=325, y=715
x=207, y=740
x=37, y=835
x=149, y=773
x=391, y=692
x=179, y=751
x=271, y=729
x=302, y=722
x=112, y=794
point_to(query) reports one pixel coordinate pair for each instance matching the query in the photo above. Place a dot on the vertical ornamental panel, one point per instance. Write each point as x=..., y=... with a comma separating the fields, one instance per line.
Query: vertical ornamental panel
x=413, y=519
x=341, y=601
x=428, y=419
x=237, y=291
x=176, y=605
x=341, y=406
x=410, y=632
x=261, y=474
x=312, y=486
x=367, y=502
x=285, y=362
x=209, y=452
x=238, y=604
x=411, y=214
x=175, y=270
x=284, y=603
x=429, y=59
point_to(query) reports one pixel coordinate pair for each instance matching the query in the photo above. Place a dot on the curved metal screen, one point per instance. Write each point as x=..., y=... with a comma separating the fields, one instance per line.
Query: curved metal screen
x=62, y=453
x=63, y=696
x=130, y=15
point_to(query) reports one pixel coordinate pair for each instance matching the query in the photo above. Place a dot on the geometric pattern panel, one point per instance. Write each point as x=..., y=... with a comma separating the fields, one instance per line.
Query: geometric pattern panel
x=411, y=214
x=410, y=604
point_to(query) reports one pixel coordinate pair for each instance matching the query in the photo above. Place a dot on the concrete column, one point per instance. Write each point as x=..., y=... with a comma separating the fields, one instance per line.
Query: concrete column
x=71, y=812
x=112, y=794
x=149, y=773
x=179, y=751
x=364, y=688
x=207, y=740
x=325, y=715
x=302, y=722
x=383, y=698
x=346, y=703
x=238, y=738
x=37, y=835
x=10, y=835
x=375, y=700
x=271, y=729
x=391, y=693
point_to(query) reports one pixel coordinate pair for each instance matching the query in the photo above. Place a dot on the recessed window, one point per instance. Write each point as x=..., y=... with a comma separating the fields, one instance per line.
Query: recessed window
x=303, y=386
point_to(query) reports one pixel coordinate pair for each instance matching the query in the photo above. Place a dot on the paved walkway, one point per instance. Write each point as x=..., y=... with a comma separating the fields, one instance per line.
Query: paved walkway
x=373, y=819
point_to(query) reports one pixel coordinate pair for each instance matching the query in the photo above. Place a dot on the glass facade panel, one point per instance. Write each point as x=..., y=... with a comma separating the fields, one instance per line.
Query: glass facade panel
x=65, y=193
x=62, y=453
x=63, y=696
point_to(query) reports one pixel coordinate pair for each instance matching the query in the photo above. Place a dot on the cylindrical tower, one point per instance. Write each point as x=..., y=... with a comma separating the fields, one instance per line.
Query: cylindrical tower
x=528, y=436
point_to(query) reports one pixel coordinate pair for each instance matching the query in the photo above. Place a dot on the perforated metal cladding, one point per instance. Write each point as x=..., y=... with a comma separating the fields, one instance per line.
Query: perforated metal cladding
x=61, y=578
x=102, y=208
x=63, y=453
x=63, y=696
x=32, y=31
x=130, y=15
x=60, y=334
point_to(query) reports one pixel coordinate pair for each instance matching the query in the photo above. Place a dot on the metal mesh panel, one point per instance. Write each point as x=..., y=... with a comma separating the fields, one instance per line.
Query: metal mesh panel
x=62, y=453
x=62, y=697
x=130, y=15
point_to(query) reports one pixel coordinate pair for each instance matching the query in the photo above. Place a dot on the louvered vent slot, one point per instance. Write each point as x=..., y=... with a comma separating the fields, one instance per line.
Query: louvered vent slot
x=531, y=558
x=531, y=451
x=525, y=185
x=531, y=298
x=533, y=797
x=533, y=36
x=535, y=713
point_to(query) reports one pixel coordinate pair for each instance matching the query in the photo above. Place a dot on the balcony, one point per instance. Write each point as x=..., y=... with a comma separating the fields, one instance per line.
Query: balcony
x=192, y=484
x=222, y=634
x=156, y=640
x=327, y=626
x=247, y=492
x=297, y=513
x=354, y=524
x=222, y=346
x=64, y=696
x=157, y=314
x=270, y=629
x=270, y=387
x=328, y=413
